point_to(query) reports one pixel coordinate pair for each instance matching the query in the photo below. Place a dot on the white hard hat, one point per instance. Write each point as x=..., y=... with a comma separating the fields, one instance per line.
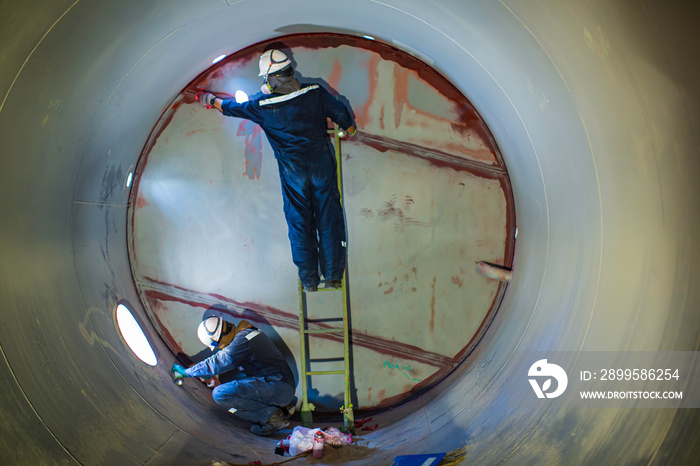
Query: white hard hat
x=209, y=331
x=272, y=61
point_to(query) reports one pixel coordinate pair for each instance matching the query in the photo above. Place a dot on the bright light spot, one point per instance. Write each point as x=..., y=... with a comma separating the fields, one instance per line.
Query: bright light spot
x=368, y=37
x=132, y=333
x=129, y=177
x=516, y=232
x=241, y=96
x=218, y=59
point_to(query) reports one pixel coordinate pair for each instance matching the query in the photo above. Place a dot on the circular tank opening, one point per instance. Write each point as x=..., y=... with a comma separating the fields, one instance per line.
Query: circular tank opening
x=426, y=196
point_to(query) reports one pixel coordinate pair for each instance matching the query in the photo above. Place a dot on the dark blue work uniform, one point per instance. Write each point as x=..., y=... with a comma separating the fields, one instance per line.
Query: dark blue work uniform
x=267, y=382
x=295, y=125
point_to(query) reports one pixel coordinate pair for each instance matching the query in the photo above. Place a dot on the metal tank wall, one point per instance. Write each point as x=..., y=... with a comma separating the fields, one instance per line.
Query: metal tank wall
x=593, y=106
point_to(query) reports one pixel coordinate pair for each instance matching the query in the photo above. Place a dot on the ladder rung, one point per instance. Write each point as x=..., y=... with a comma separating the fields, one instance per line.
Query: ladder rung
x=329, y=289
x=324, y=372
x=325, y=330
x=325, y=320
x=327, y=360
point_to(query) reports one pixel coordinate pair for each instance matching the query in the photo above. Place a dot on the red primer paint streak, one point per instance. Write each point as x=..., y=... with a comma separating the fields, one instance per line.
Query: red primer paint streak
x=400, y=93
x=435, y=157
x=141, y=202
x=362, y=114
x=258, y=313
x=457, y=281
x=253, y=148
x=336, y=74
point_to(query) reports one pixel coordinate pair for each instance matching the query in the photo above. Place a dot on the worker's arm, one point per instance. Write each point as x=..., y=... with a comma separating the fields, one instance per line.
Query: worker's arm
x=229, y=358
x=229, y=107
x=337, y=112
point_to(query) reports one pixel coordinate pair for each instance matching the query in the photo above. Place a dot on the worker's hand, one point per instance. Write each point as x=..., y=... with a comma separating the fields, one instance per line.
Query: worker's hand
x=205, y=98
x=211, y=383
x=351, y=131
x=179, y=370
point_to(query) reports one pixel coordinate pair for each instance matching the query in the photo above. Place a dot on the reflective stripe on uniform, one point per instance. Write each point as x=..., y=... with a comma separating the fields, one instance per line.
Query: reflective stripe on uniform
x=286, y=97
x=252, y=334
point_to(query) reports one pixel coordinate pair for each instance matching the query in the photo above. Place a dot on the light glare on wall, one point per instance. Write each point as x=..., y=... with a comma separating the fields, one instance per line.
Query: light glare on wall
x=134, y=336
x=241, y=97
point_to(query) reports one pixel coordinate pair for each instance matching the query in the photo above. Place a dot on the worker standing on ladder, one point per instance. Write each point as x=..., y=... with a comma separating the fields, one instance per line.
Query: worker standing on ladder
x=263, y=389
x=293, y=116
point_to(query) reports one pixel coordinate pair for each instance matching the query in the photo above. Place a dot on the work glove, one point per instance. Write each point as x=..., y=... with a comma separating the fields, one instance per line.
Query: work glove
x=179, y=370
x=205, y=98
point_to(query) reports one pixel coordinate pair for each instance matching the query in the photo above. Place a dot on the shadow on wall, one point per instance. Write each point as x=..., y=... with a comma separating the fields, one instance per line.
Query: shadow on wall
x=256, y=319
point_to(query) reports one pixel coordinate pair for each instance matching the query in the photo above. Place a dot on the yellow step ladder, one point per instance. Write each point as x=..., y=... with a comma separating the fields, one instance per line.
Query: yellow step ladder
x=306, y=333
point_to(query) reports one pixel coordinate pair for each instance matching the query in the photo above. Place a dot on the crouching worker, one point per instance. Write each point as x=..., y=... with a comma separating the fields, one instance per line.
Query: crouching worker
x=264, y=391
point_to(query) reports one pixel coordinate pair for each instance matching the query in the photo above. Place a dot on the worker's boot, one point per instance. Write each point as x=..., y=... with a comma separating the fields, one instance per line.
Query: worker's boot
x=333, y=284
x=290, y=408
x=276, y=422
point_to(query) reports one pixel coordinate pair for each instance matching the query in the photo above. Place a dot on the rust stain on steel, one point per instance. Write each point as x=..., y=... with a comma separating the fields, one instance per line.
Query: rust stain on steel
x=269, y=315
x=391, y=210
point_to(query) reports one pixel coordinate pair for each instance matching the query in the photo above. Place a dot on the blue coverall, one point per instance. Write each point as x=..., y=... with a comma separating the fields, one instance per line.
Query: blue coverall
x=295, y=125
x=267, y=383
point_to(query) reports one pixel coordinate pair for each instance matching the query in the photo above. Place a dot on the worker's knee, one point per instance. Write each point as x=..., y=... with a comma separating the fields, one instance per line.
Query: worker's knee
x=225, y=394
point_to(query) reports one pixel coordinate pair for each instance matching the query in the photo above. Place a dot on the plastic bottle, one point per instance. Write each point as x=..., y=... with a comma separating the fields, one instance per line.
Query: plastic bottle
x=319, y=441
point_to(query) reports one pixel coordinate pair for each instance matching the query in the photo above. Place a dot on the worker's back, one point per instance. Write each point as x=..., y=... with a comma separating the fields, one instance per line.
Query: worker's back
x=295, y=123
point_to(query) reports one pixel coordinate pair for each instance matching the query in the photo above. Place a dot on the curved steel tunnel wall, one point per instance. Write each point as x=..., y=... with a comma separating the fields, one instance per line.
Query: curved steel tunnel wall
x=593, y=104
